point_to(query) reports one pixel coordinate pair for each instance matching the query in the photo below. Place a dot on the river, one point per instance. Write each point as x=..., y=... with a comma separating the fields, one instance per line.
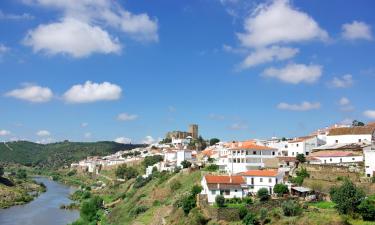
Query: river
x=43, y=210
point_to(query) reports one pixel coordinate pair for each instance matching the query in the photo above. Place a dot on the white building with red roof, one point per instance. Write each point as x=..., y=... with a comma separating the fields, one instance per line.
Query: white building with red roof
x=257, y=179
x=247, y=155
x=227, y=186
x=335, y=157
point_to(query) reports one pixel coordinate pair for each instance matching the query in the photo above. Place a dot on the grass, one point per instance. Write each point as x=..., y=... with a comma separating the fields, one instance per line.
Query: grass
x=323, y=205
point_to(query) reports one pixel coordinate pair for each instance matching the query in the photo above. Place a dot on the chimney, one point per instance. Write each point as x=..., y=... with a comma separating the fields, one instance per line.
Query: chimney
x=230, y=178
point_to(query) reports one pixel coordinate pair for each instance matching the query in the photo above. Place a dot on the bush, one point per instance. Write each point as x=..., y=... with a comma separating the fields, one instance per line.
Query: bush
x=185, y=164
x=212, y=168
x=347, y=197
x=280, y=189
x=1, y=171
x=291, y=208
x=249, y=219
x=263, y=194
x=125, y=172
x=301, y=158
x=90, y=208
x=140, y=181
x=297, y=180
x=197, y=218
x=303, y=173
x=175, y=185
x=138, y=210
x=213, y=141
x=21, y=174
x=196, y=189
x=367, y=210
x=247, y=200
x=243, y=211
x=72, y=173
x=188, y=203
x=220, y=201
x=152, y=160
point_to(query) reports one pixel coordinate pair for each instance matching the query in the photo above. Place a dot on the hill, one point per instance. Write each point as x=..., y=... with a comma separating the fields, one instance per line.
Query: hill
x=56, y=154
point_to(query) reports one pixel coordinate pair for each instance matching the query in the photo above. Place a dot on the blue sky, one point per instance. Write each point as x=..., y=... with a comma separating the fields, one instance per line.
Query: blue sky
x=133, y=70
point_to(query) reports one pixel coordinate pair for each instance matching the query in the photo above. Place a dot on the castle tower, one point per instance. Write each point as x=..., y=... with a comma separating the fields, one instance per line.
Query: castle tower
x=193, y=129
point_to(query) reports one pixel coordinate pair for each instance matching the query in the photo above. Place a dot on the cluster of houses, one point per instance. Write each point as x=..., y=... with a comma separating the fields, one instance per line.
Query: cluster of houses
x=254, y=164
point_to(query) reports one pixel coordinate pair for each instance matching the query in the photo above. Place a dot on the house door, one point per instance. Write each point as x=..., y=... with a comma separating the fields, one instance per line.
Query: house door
x=252, y=181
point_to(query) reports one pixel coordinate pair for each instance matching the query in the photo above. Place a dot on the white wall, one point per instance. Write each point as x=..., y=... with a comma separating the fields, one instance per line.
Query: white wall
x=338, y=160
x=263, y=182
x=211, y=194
x=348, y=138
x=183, y=155
x=244, y=160
x=369, y=162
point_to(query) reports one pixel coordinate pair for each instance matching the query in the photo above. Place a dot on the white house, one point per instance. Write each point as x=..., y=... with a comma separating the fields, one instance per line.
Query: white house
x=228, y=186
x=177, y=156
x=279, y=144
x=303, y=145
x=244, y=156
x=335, y=157
x=183, y=155
x=257, y=179
x=346, y=135
x=369, y=156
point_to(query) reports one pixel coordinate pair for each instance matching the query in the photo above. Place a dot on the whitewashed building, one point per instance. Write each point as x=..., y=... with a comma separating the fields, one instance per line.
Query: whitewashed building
x=346, y=135
x=257, y=179
x=227, y=186
x=336, y=157
x=302, y=145
x=369, y=156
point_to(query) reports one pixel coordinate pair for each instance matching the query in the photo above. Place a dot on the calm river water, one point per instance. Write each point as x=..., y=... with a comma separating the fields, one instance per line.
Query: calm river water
x=44, y=210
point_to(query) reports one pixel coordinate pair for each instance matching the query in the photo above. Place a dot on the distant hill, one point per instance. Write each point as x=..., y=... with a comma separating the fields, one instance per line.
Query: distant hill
x=56, y=154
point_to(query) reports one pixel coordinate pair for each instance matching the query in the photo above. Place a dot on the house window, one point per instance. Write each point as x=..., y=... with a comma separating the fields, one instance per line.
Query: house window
x=213, y=192
x=247, y=152
x=353, y=159
x=330, y=159
x=254, y=152
x=307, y=153
x=292, y=153
x=297, y=145
x=273, y=153
x=261, y=179
x=337, y=141
x=269, y=180
x=227, y=192
x=235, y=190
x=359, y=140
x=286, y=146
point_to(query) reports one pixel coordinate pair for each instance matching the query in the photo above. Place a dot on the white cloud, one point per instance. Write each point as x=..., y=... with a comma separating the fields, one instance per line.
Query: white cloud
x=346, y=121
x=342, y=82
x=295, y=73
x=127, y=117
x=4, y=132
x=9, y=16
x=279, y=22
x=80, y=30
x=356, y=30
x=45, y=140
x=369, y=113
x=92, y=92
x=84, y=124
x=71, y=37
x=43, y=133
x=214, y=116
x=32, y=93
x=148, y=140
x=238, y=126
x=304, y=106
x=264, y=55
x=172, y=109
x=344, y=101
x=87, y=135
x=3, y=49
x=123, y=140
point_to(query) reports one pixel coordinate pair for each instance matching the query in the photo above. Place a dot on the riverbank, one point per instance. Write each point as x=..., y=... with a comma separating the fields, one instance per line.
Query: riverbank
x=14, y=191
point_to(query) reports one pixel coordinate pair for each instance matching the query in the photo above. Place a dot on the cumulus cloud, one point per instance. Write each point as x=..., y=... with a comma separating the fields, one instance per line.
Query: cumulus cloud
x=295, y=73
x=148, y=140
x=71, y=37
x=279, y=22
x=31, y=93
x=264, y=55
x=345, y=104
x=43, y=133
x=214, y=116
x=238, y=126
x=10, y=16
x=87, y=135
x=304, y=106
x=123, y=140
x=356, y=30
x=4, y=132
x=342, y=82
x=126, y=117
x=82, y=26
x=369, y=113
x=3, y=49
x=84, y=124
x=45, y=140
x=344, y=101
x=92, y=92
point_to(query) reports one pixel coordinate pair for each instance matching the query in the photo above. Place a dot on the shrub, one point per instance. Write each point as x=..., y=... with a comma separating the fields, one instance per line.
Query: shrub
x=152, y=160
x=249, y=219
x=1, y=171
x=140, y=182
x=185, y=164
x=247, y=200
x=196, y=189
x=263, y=194
x=197, y=218
x=90, y=208
x=72, y=173
x=213, y=141
x=281, y=189
x=126, y=172
x=188, y=203
x=303, y=173
x=243, y=211
x=297, y=180
x=212, y=167
x=175, y=185
x=291, y=208
x=220, y=201
x=347, y=197
x=301, y=158
x=367, y=210
x=21, y=174
x=263, y=215
x=138, y=210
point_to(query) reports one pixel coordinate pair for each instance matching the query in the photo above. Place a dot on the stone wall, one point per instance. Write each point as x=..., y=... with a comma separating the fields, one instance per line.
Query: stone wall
x=332, y=173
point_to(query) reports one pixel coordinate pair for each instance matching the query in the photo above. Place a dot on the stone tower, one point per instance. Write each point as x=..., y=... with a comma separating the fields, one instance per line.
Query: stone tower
x=193, y=129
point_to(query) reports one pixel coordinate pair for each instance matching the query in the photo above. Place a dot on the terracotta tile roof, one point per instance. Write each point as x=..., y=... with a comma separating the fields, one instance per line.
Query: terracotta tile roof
x=333, y=154
x=352, y=130
x=300, y=139
x=214, y=179
x=250, y=145
x=260, y=173
x=208, y=152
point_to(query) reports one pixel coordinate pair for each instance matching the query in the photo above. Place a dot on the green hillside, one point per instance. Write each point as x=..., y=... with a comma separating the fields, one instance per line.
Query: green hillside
x=56, y=154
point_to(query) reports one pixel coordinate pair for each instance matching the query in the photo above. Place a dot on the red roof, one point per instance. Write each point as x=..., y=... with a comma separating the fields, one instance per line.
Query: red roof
x=260, y=173
x=208, y=152
x=332, y=154
x=212, y=179
x=250, y=145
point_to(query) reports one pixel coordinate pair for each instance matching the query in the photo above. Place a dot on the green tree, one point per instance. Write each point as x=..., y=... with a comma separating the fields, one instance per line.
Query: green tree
x=250, y=219
x=220, y=201
x=152, y=160
x=213, y=141
x=367, y=210
x=243, y=211
x=90, y=208
x=263, y=194
x=1, y=171
x=301, y=158
x=291, y=208
x=21, y=174
x=347, y=197
x=280, y=189
x=212, y=167
x=185, y=164
x=357, y=123
x=196, y=189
